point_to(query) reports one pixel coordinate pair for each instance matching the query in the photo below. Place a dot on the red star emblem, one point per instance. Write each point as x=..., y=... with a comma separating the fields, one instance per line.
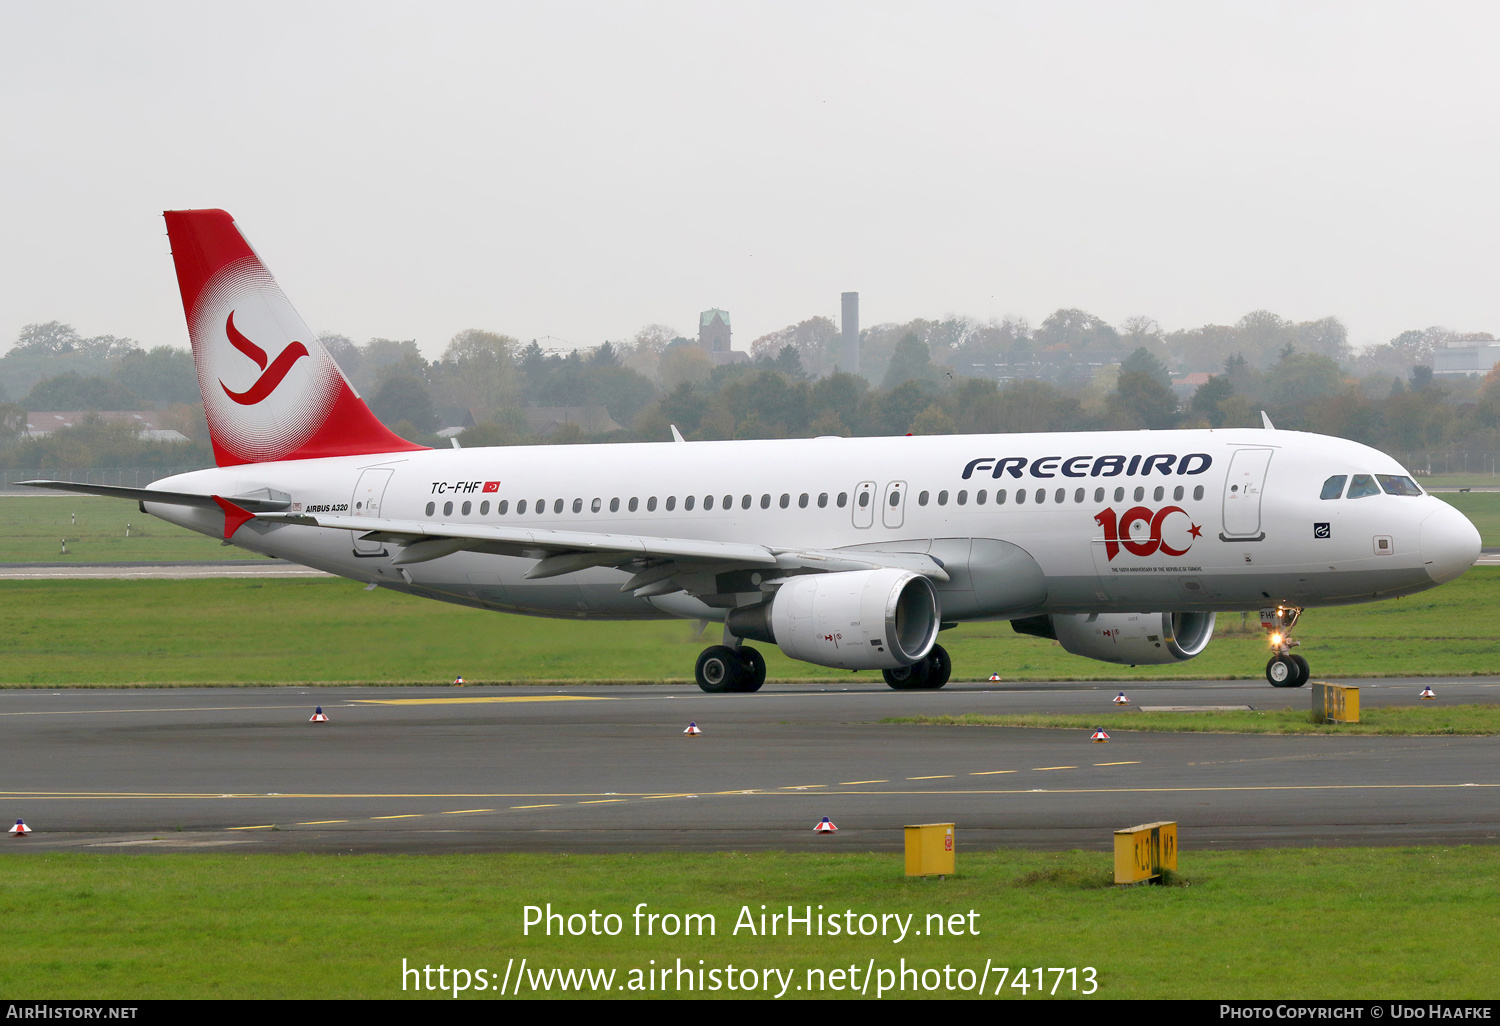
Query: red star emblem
x=1195, y=531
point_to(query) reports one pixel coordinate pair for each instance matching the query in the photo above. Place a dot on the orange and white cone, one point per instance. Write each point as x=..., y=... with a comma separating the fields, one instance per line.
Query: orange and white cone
x=1100, y=736
x=1427, y=692
x=1121, y=699
x=20, y=829
x=692, y=730
x=994, y=676
x=825, y=827
x=319, y=716
x=458, y=682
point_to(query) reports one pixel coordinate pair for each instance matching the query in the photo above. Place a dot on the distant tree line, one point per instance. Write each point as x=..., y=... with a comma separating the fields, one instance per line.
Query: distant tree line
x=1072, y=372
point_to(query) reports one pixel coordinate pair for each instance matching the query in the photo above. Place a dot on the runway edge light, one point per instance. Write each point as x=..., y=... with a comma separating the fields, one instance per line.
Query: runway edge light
x=1099, y=736
x=825, y=827
x=20, y=829
x=319, y=717
x=692, y=729
x=1427, y=692
x=1121, y=699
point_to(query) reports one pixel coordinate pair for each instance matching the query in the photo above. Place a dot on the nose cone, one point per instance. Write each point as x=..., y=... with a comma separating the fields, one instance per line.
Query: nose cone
x=1449, y=543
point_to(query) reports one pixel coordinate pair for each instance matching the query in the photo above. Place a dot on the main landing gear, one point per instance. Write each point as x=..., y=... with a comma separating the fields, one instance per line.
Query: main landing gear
x=1285, y=670
x=721, y=668
x=927, y=675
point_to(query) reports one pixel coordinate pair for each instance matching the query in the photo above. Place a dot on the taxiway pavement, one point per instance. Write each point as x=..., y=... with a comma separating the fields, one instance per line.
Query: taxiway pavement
x=608, y=768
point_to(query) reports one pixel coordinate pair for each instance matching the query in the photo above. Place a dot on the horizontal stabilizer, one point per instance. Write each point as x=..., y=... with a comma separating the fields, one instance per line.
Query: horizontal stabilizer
x=251, y=503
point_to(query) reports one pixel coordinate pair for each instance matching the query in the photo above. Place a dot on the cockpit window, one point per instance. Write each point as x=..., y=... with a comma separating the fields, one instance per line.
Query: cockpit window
x=1395, y=485
x=1334, y=486
x=1362, y=485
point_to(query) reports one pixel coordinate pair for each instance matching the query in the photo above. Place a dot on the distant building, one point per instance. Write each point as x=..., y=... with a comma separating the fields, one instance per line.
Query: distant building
x=1458, y=360
x=146, y=425
x=1186, y=385
x=591, y=420
x=713, y=337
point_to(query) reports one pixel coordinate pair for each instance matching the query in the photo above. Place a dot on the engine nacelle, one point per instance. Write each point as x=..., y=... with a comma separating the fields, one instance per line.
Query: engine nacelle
x=1136, y=639
x=856, y=620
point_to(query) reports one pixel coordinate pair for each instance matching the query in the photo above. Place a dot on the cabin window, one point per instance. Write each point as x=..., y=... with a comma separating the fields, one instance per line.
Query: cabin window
x=728, y=502
x=765, y=502
x=1157, y=495
x=1177, y=494
x=963, y=497
x=864, y=500
x=467, y=506
x=979, y=497
x=1020, y=496
x=708, y=502
x=651, y=504
x=614, y=505
x=634, y=504
x=802, y=501
x=1098, y=494
x=1140, y=493
x=502, y=507
x=1198, y=492
x=942, y=498
x=596, y=505
x=447, y=509
x=431, y=508
x=786, y=500
x=745, y=501
x=1078, y=495
x=922, y=498
x=671, y=503
x=1041, y=495
x=577, y=505
x=484, y=508
x=822, y=500
x=843, y=499
x=1119, y=495
x=687, y=502
x=557, y=505
x=1000, y=497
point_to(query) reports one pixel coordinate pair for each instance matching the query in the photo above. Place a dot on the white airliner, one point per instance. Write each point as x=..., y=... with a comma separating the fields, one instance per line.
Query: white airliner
x=844, y=552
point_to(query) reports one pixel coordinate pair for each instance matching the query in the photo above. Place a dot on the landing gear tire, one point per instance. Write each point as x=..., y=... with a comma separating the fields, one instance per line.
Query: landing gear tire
x=928, y=674
x=720, y=669
x=754, y=665
x=1283, y=672
x=907, y=678
x=939, y=669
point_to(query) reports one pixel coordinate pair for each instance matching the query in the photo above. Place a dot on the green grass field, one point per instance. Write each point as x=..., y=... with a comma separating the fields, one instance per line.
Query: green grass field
x=289, y=631
x=1340, y=923
x=32, y=528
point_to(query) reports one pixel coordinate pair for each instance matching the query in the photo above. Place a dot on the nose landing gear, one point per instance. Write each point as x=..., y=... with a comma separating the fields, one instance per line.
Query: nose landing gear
x=1285, y=670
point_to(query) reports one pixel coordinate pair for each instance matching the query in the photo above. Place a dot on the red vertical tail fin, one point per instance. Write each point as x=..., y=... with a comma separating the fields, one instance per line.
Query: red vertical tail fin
x=270, y=389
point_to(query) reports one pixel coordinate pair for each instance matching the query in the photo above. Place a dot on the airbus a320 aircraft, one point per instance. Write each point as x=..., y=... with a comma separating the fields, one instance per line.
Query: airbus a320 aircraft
x=844, y=552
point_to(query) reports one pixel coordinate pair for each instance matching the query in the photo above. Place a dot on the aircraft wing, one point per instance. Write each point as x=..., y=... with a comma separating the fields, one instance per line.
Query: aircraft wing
x=658, y=561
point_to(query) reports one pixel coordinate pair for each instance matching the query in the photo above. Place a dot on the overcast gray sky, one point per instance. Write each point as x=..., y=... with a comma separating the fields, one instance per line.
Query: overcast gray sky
x=581, y=169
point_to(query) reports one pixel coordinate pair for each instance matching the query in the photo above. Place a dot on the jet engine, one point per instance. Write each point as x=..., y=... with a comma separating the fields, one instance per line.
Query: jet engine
x=856, y=620
x=1136, y=639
